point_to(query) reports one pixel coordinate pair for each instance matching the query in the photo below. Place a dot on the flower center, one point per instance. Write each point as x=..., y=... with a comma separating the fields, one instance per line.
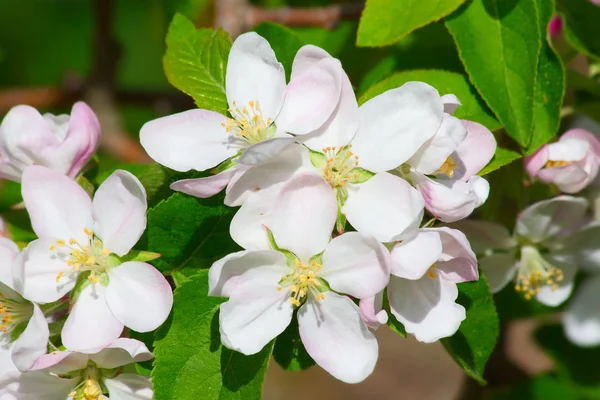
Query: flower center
x=447, y=167
x=555, y=164
x=248, y=123
x=339, y=165
x=431, y=272
x=89, y=388
x=13, y=312
x=301, y=281
x=90, y=256
x=535, y=272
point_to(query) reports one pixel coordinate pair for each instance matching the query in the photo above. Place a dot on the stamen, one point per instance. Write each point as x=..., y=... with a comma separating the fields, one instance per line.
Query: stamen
x=535, y=273
x=555, y=164
x=447, y=167
x=248, y=123
x=339, y=165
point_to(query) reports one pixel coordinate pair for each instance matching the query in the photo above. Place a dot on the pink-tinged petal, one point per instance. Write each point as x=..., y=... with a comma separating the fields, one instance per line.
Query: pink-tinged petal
x=33, y=342
x=385, y=207
x=8, y=254
x=446, y=199
x=426, y=307
x=254, y=74
x=262, y=152
x=248, y=225
x=499, y=269
x=451, y=103
x=412, y=258
x=581, y=319
x=356, y=265
x=535, y=162
x=193, y=139
x=584, y=135
x=58, y=207
x=457, y=263
x=82, y=139
x=121, y=352
x=395, y=124
x=40, y=269
x=91, y=325
x=257, y=311
x=485, y=235
x=548, y=218
x=139, y=296
x=129, y=387
x=306, y=58
x=311, y=98
x=475, y=151
x=61, y=362
x=372, y=312
x=555, y=297
x=205, y=187
x=277, y=170
x=336, y=337
x=304, y=216
x=119, y=210
x=227, y=274
x=434, y=152
x=36, y=385
x=574, y=177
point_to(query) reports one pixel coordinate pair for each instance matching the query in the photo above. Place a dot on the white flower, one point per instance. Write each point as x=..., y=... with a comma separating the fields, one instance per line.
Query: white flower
x=61, y=142
x=79, y=238
x=264, y=111
x=550, y=241
x=264, y=286
x=422, y=291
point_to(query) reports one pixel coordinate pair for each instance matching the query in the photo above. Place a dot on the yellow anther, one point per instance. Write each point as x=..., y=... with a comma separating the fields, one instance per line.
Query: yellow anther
x=555, y=164
x=60, y=275
x=294, y=301
x=60, y=242
x=88, y=232
x=447, y=167
x=105, y=252
x=52, y=247
x=279, y=289
x=72, y=241
x=93, y=279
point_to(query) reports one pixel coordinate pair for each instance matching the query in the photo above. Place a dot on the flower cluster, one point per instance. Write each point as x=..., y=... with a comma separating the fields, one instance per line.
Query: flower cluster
x=79, y=284
x=332, y=198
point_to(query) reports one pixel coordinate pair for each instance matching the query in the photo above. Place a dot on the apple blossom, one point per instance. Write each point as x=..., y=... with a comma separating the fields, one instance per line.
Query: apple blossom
x=422, y=291
x=61, y=142
x=303, y=269
x=263, y=113
x=81, y=244
x=550, y=241
x=571, y=163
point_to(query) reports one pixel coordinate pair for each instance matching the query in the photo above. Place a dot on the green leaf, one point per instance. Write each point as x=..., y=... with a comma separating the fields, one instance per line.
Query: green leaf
x=384, y=22
x=499, y=43
x=501, y=158
x=445, y=82
x=476, y=338
x=289, y=352
x=393, y=322
x=190, y=361
x=550, y=84
x=190, y=233
x=539, y=388
x=196, y=61
x=581, y=25
x=284, y=42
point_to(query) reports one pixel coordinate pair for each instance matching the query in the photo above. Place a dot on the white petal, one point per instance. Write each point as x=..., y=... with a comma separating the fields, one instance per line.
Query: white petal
x=256, y=311
x=499, y=269
x=276, y=171
x=553, y=298
x=311, y=98
x=119, y=210
x=205, y=187
x=485, y=235
x=8, y=253
x=451, y=103
x=548, y=218
x=58, y=207
x=227, y=274
x=372, y=312
x=475, y=151
x=385, y=207
x=481, y=188
x=432, y=154
x=37, y=385
x=395, y=124
x=129, y=387
x=581, y=318
x=568, y=149
x=262, y=152
x=304, y=215
x=33, y=342
x=41, y=268
x=91, y=325
x=336, y=337
x=139, y=296
x=426, y=307
x=193, y=139
x=412, y=257
x=61, y=362
x=356, y=265
x=580, y=248
x=121, y=352
x=253, y=74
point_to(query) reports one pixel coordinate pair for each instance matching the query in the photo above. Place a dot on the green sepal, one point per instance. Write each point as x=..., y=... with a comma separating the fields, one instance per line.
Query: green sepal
x=82, y=283
x=429, y=223
x=362, y=175
x=392, y=322
x=140, y=255
x=225, y=165
x=86, y=185
x=289, y=256
x=317, y=159
x=103, y=279
x=340, y=222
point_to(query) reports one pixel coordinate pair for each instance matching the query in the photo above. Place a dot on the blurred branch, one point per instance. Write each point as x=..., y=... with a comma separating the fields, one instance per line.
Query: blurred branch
x=238, y=16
